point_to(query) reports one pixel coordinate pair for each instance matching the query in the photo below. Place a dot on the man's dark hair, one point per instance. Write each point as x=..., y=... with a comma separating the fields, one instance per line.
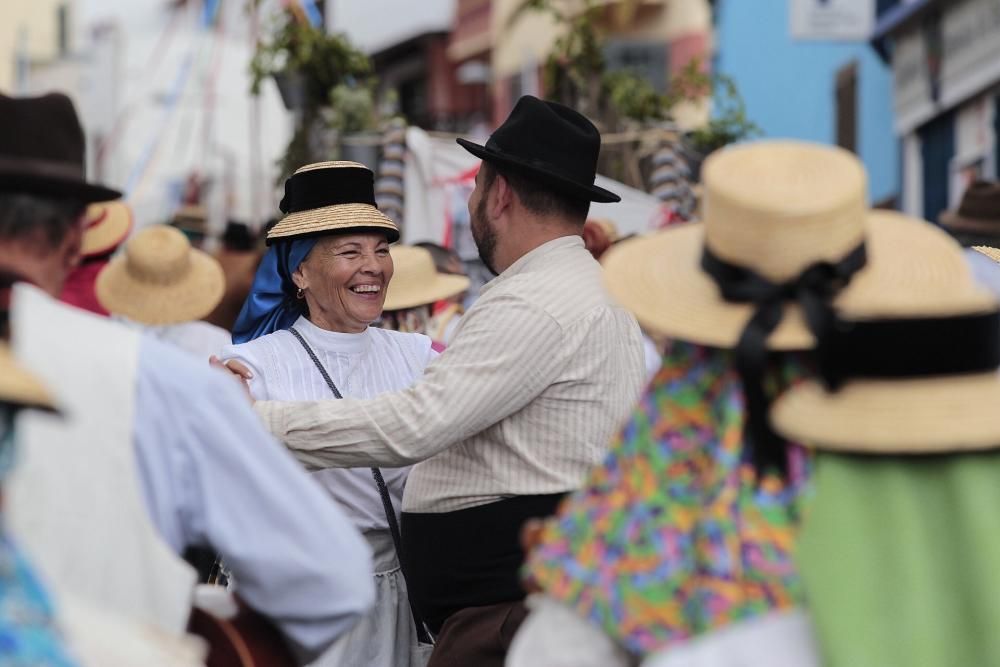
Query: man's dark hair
x=536, y=196
x=37, y=219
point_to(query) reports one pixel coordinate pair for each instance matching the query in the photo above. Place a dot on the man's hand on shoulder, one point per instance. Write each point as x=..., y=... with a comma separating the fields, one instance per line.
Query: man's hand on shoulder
x=236, y=370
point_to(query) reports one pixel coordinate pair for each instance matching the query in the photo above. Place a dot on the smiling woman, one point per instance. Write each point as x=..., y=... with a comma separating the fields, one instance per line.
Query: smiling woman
x=304, y=335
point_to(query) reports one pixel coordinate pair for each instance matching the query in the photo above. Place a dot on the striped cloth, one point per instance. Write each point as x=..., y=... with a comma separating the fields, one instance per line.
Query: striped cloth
x=389, y=185
x=541, y=373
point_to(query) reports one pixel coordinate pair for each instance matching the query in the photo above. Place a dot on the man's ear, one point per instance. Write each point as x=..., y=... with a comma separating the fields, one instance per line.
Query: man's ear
x=500, y=197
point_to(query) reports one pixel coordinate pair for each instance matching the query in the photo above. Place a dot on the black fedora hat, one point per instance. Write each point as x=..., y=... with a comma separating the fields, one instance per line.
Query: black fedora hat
x=552, y=143
x=42, y=150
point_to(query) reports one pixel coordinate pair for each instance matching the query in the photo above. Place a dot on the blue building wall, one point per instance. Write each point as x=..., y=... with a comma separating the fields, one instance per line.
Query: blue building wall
x=789, y=86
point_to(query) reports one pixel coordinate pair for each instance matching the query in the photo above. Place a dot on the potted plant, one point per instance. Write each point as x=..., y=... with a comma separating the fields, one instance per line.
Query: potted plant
x=324, y=79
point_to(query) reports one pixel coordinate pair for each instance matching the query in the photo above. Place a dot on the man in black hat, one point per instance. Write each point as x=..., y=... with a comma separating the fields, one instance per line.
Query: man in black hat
x=153, y=455
x=541, y=372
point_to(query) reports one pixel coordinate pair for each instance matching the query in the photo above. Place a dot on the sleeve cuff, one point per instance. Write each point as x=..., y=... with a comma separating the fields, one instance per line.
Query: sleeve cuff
x=272, y=416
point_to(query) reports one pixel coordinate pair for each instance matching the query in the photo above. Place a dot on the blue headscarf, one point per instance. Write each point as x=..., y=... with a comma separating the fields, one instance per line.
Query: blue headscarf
x=272, y=304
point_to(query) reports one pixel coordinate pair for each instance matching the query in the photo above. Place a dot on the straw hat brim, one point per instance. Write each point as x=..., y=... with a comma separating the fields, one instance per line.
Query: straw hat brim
x=333, y=219
x=915, y=416
x=109, y=233
x=191, y=298
x=19, y=387
x=659, y=279
x=412, y=294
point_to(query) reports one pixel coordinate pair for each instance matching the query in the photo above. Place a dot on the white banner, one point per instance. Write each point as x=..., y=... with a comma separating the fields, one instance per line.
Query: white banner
x=832, y=19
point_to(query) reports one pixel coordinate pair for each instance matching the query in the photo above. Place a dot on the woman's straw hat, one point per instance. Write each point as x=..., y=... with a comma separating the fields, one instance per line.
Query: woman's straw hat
x=329, y=197
x=160, y=279
x=18, y=386
x=930, y=414
x=776, y=207
x=416, y=282
x=106, y=226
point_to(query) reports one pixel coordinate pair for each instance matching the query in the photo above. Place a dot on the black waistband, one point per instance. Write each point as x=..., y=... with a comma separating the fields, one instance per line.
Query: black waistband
x=468, y=558
x=912, y=348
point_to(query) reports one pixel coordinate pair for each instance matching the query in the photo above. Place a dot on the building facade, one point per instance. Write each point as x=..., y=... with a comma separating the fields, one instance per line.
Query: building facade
x=945, y=58
x=655, y=38
x=810, y=87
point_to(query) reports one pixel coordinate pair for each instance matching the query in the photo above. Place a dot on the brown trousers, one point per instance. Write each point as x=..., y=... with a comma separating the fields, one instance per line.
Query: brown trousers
x=478, y=636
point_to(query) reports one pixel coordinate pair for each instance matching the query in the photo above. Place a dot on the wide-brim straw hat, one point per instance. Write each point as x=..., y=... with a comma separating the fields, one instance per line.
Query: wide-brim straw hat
x=160, y=279
x=992, y=253
x=925, y=415
x=416, y=281
x=18, y=386
x=331, y=197
x=775, y=207
x=107, y=225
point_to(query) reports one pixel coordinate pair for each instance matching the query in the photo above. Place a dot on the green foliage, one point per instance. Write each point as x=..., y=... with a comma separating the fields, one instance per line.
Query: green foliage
x=323, y=60
x=729, y=122
x=337, y=87
x=576, y=75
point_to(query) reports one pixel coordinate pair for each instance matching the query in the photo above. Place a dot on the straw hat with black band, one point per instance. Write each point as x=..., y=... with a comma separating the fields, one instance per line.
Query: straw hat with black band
x=918, y=377
x=786, y=238
x=416, y=281
x=106, y=225
x=328, y=197
x=160, y=279
x=320, y=199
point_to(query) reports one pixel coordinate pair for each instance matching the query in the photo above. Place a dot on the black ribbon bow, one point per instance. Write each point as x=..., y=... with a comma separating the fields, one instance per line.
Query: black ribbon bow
x=813, y=290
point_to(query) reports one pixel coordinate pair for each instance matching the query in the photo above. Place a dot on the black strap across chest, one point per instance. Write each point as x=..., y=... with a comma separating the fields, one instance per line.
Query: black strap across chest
x=383, y=490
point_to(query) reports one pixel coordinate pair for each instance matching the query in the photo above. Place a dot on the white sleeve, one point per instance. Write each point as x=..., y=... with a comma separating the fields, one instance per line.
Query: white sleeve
x=554, y=636
x=213, y=477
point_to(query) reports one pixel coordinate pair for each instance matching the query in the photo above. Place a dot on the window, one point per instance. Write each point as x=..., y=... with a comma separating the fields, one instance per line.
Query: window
x=648, y=60
x=846, y=100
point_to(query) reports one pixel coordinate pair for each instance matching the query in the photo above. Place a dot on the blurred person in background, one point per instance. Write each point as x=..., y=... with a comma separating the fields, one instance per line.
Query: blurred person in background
x=29, y=634
x=417, y=286
x=305, y=334
x=192, y=221
x=106, y=226
x=976, y=222
x=157, y=452
x=164, y=286
x=239, y=257
x=446, y=313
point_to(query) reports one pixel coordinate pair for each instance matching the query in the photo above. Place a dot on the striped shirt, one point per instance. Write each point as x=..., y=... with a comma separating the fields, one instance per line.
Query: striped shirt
x=543, y=370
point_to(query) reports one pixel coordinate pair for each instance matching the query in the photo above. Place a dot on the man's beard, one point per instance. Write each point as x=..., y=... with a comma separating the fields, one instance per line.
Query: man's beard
x=484, y=235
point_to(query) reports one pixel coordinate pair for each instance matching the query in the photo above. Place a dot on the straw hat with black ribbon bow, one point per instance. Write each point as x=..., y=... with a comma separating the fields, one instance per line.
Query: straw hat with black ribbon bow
x=106, y=226
x=160, y=279
x=786, y=243
x=328, y=197
x=18, y=386
x=416, y=281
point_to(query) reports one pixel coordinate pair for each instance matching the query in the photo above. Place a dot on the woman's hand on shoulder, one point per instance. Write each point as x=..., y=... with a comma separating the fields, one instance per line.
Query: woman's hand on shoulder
x=235, y=369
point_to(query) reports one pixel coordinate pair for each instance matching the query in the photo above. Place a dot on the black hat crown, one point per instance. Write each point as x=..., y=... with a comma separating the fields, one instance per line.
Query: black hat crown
x=552, y=143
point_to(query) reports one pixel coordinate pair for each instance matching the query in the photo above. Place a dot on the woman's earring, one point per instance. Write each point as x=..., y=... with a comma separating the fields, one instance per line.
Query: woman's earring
x=301, y=294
